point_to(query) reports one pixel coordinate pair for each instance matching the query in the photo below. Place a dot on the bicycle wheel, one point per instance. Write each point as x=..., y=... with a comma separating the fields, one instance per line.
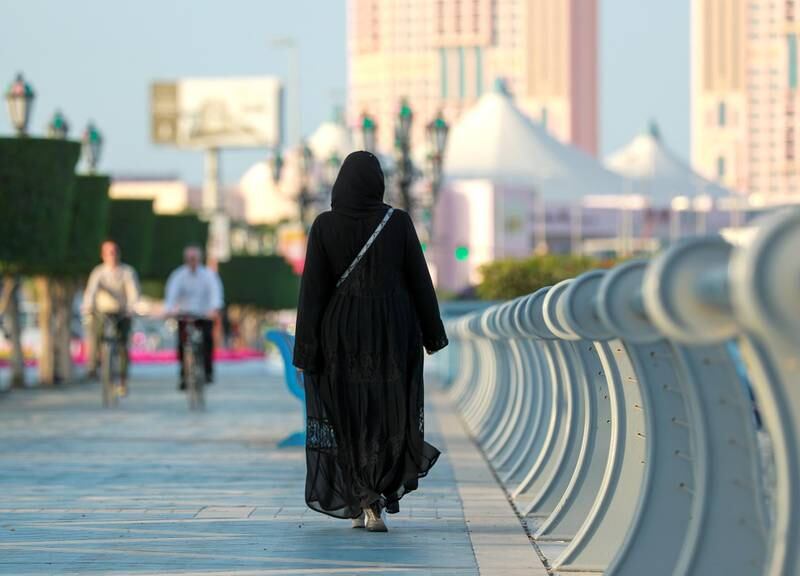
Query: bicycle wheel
x=190, y=374
x=107, y=371
x=199, y=378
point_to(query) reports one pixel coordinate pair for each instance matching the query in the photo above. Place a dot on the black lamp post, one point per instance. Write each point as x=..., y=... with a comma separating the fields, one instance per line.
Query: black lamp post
x=276, y=165
x=332, y=169
x=437, y=130
x=306, y=198
x=58, y=127
x=402, y=141
x=19, y=97
x=92, y=145
x=368, y=129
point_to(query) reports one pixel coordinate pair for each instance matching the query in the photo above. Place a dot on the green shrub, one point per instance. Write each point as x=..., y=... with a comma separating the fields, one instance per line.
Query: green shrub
x=36, y=187
x=510, y=278
x=131, y=224
x=266, y=282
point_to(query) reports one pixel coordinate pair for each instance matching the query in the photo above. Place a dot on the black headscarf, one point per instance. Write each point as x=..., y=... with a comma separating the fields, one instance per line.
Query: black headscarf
x=358, y=190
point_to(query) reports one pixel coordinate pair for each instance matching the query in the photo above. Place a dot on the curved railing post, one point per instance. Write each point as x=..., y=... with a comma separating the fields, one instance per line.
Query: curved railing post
x=764, y=286
x=578, y=496
x=613, y=411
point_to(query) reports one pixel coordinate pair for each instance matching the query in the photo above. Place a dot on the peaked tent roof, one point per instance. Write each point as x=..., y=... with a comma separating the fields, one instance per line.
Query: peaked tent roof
x=659, y=174
x=495, y=140
x=329, y=139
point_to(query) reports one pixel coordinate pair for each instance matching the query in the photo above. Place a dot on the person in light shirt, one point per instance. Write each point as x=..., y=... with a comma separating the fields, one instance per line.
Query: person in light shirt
x=194, y=293
x=112, y=290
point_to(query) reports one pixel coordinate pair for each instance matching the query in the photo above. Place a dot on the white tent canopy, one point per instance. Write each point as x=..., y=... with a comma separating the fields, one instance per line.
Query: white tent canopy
x=330, y=139
x=658, y=174
x=496, y=141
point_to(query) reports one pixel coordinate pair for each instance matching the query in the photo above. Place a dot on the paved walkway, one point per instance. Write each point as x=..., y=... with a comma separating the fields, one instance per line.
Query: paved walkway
x=151, y=488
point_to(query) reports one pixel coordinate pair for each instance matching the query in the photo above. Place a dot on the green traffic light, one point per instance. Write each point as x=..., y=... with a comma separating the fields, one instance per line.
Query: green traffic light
x=462, y=253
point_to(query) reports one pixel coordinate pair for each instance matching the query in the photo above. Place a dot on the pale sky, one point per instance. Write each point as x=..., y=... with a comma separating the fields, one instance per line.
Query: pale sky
x=96, y=58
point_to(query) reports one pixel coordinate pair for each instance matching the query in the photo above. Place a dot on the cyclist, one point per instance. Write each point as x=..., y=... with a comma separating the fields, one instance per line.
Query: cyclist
x=194, y=292
x=112, y=289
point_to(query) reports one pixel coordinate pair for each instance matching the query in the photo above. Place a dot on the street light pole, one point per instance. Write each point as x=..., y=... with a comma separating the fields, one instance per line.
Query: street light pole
x=305, y=198
x=58, y=127
x=368, y=130
x=19, y=97
x=436, y=130
x=92, y=146
x=405, y=174
x=295, y=118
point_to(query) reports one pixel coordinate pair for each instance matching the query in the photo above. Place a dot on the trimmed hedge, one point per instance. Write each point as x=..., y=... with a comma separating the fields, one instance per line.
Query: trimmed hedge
x=171, y=234
x=36, y=188
x=89, y=223
x=131, y=225
x=266, y=282
x=510, y=278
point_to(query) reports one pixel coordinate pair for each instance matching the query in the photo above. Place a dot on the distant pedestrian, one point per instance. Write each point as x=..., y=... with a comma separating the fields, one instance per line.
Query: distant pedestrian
x=194, y=294
x=367, y=309
x=111, y=295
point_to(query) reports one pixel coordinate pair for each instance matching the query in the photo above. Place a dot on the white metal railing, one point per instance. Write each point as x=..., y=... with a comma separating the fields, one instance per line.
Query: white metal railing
x=615, y=413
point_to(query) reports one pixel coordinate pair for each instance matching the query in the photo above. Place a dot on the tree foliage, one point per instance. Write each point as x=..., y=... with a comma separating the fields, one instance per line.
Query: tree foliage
x=510, y=278
x=266, y=282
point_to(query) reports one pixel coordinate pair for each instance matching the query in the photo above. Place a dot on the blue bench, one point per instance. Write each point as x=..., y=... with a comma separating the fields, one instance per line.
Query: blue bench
x=294, y=381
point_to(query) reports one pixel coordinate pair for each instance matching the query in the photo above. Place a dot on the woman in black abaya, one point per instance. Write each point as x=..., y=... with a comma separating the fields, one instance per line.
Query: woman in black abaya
x=361, y=349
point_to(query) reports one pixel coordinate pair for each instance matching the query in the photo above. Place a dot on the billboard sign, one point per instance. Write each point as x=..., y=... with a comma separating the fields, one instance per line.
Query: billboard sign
x=243, y=112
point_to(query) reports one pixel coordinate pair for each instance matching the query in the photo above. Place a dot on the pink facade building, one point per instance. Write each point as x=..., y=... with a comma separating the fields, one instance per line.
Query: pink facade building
x=444, y=54
x=745, y=99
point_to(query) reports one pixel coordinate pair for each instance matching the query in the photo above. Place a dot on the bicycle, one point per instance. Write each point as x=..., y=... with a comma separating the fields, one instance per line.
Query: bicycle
x=194, y=377
x=110, y=373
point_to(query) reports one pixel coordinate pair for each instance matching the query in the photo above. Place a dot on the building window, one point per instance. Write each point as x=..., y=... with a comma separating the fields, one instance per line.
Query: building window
x=721, y=114
x=720, y=168
x=791, y=41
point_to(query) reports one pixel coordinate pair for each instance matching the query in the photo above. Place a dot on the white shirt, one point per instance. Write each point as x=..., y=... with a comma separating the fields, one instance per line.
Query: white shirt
x=111, y=289
x=196, y=293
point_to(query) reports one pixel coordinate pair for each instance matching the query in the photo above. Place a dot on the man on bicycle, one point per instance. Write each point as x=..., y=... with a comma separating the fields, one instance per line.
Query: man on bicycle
x=194, y=293
x=111, y=294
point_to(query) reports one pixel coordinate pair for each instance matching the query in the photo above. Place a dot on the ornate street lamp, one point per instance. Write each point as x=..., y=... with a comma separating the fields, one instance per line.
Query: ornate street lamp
x=332, y=168
x=368, y=130
x=402, y=140
x=58, y=127
x=404, y=118
x=19, y=97
x=276, y=165
x=436, y=131
x=306, y=159
x=305, y=196
x=92, y=144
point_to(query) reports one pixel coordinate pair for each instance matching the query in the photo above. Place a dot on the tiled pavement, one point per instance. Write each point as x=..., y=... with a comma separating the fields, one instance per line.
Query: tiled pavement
x=151, y=488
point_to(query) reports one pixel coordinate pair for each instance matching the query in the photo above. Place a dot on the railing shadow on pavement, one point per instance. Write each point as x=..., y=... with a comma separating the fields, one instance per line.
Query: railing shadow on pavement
x=284, y=342
x=614, y=412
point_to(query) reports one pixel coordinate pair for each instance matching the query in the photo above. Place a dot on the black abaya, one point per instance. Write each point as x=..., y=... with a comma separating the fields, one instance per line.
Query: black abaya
x=361, y=347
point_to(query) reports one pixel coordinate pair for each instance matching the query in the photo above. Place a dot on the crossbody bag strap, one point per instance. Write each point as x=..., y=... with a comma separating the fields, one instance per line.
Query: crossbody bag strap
x=366, y=246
